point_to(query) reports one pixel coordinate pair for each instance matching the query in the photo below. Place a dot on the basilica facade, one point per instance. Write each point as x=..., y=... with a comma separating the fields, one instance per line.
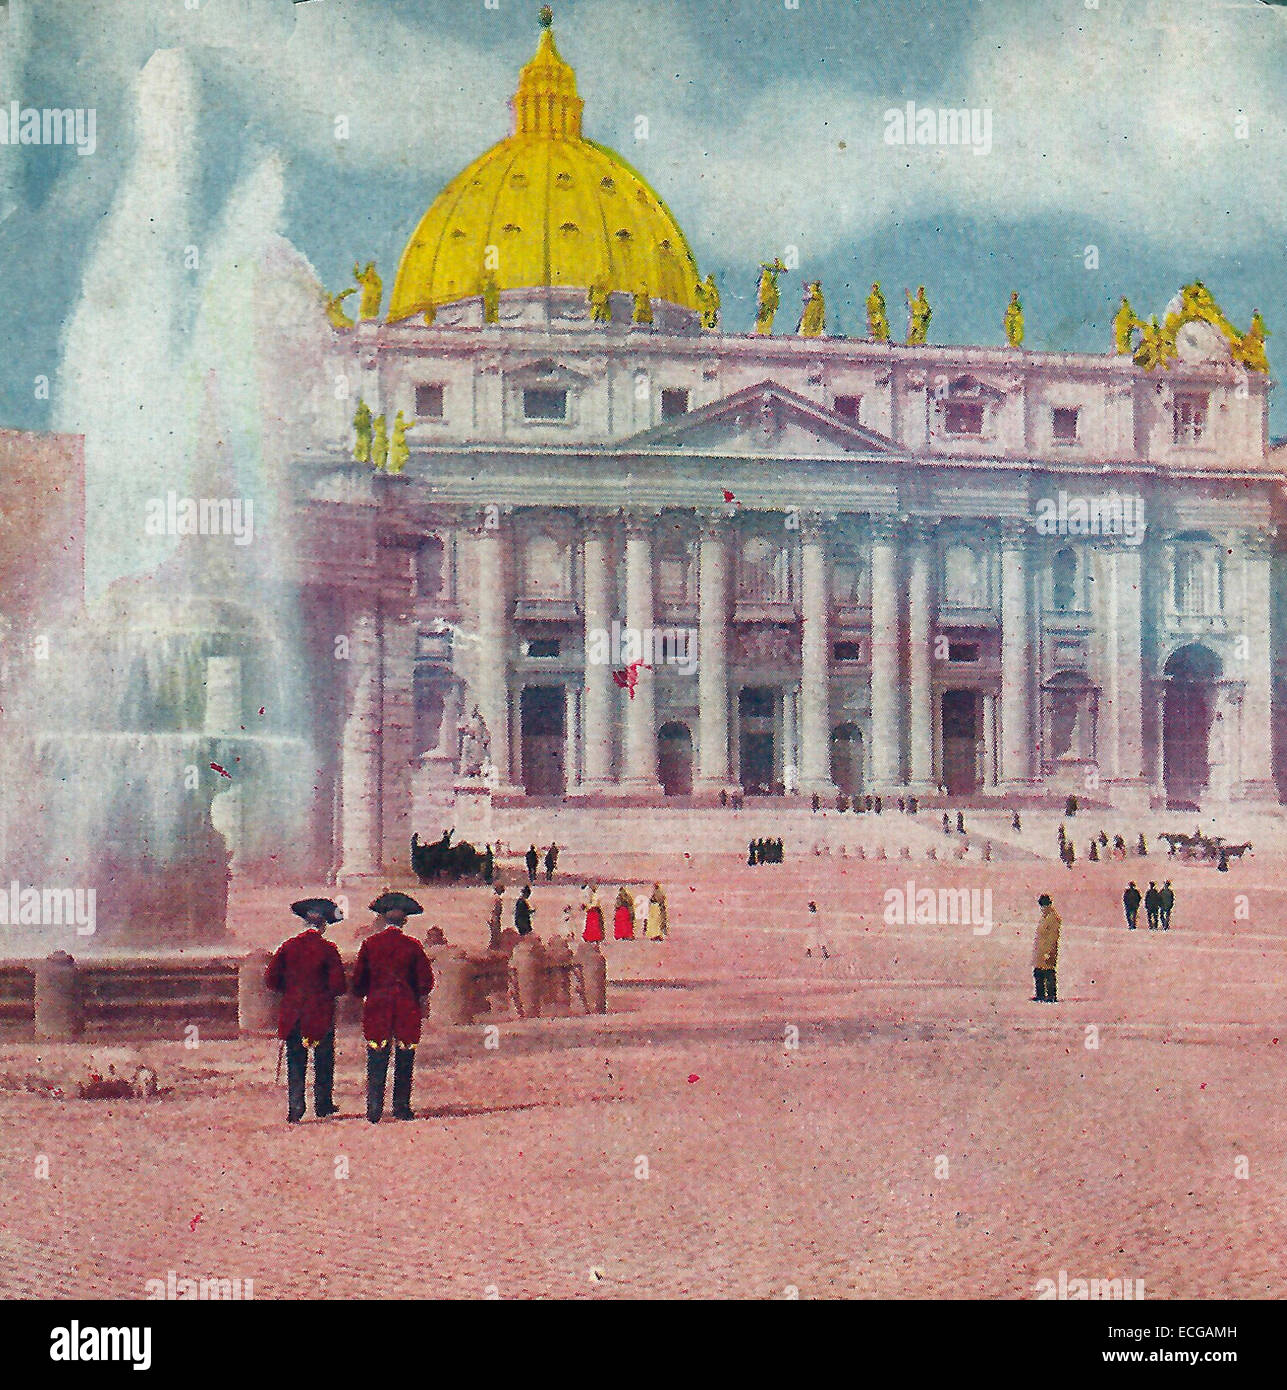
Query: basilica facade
x=628, y=556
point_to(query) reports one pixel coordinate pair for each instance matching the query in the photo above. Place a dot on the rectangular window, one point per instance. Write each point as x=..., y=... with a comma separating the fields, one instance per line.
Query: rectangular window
x=963, y=417
x=848, y=406
x=545, y=403
x=1190, y=416
x=674, y=402
x=543, y=647
x=846, y=651
x=1065, y=424
x=962, y=651
x=429, y=401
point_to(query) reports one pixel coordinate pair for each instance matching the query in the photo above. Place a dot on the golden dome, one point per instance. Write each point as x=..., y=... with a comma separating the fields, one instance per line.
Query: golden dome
x=551, y=208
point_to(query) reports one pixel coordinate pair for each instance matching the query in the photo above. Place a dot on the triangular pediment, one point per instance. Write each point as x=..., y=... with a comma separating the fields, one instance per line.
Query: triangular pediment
x=763, y=419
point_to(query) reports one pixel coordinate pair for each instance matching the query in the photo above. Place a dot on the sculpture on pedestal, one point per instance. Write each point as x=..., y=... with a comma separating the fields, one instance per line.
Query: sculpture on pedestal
x=877, y=315
x=475, y=746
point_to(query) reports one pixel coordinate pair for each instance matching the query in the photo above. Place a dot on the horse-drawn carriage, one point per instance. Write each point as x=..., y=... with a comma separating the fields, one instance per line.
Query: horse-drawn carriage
x=1204, y=849
x=443, y=860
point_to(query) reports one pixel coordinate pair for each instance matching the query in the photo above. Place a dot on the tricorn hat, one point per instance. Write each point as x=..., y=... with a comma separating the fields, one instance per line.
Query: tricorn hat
x=396, y=902
x=322, y=905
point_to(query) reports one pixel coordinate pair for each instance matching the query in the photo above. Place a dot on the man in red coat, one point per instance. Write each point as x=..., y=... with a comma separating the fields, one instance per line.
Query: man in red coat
x=308, y=974
x=393, y=976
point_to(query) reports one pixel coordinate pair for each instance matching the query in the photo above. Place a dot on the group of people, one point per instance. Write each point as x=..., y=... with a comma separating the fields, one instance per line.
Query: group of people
x=392, y=976
x=1098, y=848
x=655, y=925
x=1159, y=903
x=764, y=852
x=533, y=861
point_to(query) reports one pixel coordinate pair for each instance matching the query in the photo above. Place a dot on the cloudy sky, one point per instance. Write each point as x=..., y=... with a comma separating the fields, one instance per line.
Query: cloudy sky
x=1152, y=130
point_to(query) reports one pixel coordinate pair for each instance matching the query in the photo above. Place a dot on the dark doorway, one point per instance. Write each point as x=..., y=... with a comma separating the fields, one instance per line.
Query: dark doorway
x=1186, y=722
x=542, y=735
x=757, y=706
x=846, y=758
x=675, y=759
x=961, y=741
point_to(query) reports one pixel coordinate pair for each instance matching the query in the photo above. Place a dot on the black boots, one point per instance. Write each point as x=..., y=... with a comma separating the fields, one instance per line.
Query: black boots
x=324, y=1077
x=404, y=1063
x=296, y=1071
x=1044, y=981
x=377, y=1069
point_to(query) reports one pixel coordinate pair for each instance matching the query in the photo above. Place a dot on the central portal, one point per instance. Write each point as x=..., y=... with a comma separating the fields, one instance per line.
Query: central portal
x=961, y=741
x=541, y=714
x=756, y=707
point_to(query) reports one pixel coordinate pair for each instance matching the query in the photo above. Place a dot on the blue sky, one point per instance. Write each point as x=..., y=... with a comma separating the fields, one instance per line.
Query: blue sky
x=1155, y=132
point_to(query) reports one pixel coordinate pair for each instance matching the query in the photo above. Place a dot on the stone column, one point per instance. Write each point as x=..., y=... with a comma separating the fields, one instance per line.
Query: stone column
x=360, y=751
x=920, y=693
x=1159, y=743
x=712, y=653
x=886, y=639
x=598, y=570
x=397, y=733
x=989, y=741
x=1124, y=666
x=1018, y=661
x=571, y=739
x=1256, y=750
x=790, y=741
x=640, y=770
x=815, y=664
x=495, y=604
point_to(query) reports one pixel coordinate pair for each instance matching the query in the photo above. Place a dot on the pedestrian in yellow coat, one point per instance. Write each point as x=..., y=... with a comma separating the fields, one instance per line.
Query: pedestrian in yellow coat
x=1045, y=951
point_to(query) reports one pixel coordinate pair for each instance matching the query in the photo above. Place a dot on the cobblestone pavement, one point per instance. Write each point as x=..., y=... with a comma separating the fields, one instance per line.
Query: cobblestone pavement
x=897, y=1120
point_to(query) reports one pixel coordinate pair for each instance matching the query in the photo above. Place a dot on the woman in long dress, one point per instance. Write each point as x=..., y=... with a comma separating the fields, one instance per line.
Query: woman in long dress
x=657, y=925
x=623, y=915
x=593, y=916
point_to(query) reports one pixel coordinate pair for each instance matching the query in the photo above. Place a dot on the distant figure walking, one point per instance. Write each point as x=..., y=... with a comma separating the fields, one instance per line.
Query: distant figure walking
x=1131, y=902
x=523, y=910
x=551, y=861
x=533, y=860
x=494, y=921
x=1165, y=903
x=1045, y=952
x=623, y=915
x=593, y=915
x=1015, y=823
x=657, y=927
x=960, y=822
x=1151, y=906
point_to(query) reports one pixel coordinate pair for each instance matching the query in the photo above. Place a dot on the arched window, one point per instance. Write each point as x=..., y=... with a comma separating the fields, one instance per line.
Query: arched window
x=764, y=574
x=963, y=581
x=1063, y=579
x=546, y=572
x=1197, y=576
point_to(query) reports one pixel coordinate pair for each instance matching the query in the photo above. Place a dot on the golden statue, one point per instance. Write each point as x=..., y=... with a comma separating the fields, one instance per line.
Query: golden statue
x=600, y=305
x=643, y=307
x=380, y=443
x=362, y=432
x=1014, y=321
x=491, y=299
x=335, y=314
x=1124, y=325
x=431, y=313
x=877, y=315
x=918, y=317
x=372, y=290
x=813, y=321
x=399, y=453
x=768, y=297
x=1156, y=346
x=708, y=302
x=1250, y=348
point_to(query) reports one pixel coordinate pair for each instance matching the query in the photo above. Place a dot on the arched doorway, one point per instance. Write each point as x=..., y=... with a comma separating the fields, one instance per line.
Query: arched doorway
x=675, y=759
x=1187, y=711
x=962, y=741
x=846, y=758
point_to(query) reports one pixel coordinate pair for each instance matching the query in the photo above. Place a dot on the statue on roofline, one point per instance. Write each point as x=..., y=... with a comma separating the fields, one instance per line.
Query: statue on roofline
x=491, y=299
x=372, y=290
x=362, y=433
x=1249, y=350
x=600, y=305
x=877, y=315
x=919, y=314
x=642, y=312
x=1156, y=347
x=1013, y=321
x=380, y=443
x=813, y=319
x=1125, y=324
x=768, y=297
x=335, y=314
x=399, y=451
